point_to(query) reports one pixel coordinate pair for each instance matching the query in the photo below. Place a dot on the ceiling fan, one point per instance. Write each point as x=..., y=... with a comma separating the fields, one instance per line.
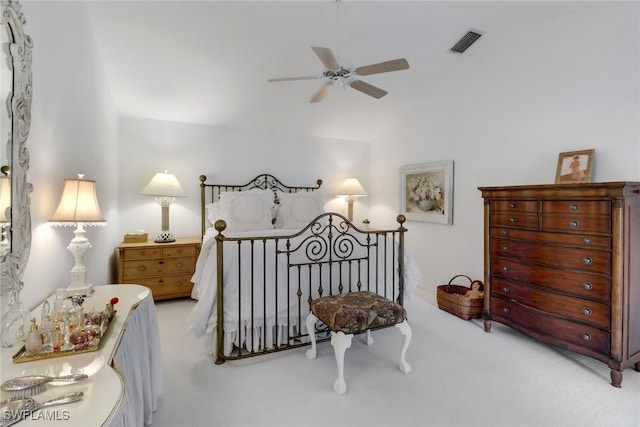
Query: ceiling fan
x=340, y=76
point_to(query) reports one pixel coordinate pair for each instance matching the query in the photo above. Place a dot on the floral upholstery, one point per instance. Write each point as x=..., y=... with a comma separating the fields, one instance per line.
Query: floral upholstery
x=357, y=311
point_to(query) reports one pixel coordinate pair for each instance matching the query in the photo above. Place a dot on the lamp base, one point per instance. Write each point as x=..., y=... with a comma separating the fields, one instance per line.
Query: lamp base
x=165, y=237
x=84, y=290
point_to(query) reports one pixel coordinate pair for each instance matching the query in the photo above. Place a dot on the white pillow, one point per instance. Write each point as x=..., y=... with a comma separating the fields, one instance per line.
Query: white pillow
x=247, y=210
x=298, y=209
x=215, y=211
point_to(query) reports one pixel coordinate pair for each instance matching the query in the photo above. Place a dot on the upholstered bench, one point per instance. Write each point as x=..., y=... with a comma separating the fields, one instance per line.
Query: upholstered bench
x=352, y=313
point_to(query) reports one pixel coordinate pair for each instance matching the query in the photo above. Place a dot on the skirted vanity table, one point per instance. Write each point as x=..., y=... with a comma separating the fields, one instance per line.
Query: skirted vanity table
x=124, y=371
x=124, y=374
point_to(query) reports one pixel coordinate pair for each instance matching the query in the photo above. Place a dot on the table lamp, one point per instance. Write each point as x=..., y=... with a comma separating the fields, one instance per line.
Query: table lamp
x=165, y=187
x=78, y=207
x=351, y=189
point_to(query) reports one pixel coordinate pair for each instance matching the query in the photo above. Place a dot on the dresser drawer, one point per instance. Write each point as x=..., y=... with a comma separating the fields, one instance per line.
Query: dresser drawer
x=141, y=253
x=515, y=205
x=582, y=285
x=563, y=306
x=577, y=240
x=168, y=286
x=588, y=260
x=146, y=268
x=176, y=251
x=577, y=207
x=577, y=223
x=514, y=219
x=550, y=329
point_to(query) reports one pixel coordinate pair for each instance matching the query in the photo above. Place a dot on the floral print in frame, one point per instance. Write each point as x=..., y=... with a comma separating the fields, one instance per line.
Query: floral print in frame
x=426, y=192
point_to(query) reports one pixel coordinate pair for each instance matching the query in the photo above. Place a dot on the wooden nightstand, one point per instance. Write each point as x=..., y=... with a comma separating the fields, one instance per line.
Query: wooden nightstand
x=166, y=268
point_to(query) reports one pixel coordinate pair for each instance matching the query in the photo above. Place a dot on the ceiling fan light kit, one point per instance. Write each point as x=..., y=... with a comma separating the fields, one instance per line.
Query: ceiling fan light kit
x=340, y=76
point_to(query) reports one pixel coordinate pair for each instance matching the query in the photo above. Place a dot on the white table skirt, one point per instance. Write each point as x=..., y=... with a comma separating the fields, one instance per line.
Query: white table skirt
x=139, y=360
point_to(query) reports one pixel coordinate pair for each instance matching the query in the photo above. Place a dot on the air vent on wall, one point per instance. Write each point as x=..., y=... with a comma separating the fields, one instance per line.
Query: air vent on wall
x=466, y=41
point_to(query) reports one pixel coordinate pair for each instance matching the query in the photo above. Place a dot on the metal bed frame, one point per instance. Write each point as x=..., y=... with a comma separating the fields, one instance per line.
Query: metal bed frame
x=330, y=255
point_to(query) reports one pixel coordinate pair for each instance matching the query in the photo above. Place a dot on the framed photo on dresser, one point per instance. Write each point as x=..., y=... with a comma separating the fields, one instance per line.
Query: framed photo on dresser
x=574, y=167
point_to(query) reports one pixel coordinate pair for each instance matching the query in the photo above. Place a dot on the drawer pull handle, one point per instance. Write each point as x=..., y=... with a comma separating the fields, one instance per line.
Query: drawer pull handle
x=505, y=309
x=513, y=219
x=587, y=261
x=587, y=311
x=505, y=232
x=160, y=262
x=587, y=285
x=587, y=240
x=574, y=207
x=506, y=268
x=586, y=336
x=506, y=289
x=574, y=224
x=514, y=205
x=505, y=248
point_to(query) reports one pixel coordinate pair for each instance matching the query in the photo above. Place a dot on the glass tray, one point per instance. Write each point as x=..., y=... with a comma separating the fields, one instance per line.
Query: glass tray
x=23, y=356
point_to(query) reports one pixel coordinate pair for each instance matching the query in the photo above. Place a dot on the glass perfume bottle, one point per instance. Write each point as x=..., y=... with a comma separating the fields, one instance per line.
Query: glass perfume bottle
x=46, y=331
x=33, y=343
x=57, y=338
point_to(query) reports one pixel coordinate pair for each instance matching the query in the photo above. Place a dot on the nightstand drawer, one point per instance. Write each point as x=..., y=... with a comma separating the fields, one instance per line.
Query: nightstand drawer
x=141, y=253
x=169, y=286
x=175, y=251
x=159, y=267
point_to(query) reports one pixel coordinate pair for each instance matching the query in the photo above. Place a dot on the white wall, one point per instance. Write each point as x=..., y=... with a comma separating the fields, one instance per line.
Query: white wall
x=226, y=156
x=73, y=130
x=560, y=85
x=504, y=115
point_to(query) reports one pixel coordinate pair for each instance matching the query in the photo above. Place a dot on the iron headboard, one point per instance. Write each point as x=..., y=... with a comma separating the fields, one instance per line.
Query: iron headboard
x=210, y=193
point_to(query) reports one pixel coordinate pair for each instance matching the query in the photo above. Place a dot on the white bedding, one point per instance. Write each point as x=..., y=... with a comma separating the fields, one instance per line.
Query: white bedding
x=248, y=332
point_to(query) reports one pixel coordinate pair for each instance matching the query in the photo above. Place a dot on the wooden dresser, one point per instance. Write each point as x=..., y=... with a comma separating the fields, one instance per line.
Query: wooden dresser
x=166, y=268
x=562, y=264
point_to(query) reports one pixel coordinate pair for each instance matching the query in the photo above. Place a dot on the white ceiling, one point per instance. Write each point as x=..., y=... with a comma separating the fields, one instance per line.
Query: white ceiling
x=208, y=62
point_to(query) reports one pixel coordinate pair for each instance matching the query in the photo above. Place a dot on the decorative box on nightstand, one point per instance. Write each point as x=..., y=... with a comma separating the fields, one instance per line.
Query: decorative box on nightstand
x=166, y=268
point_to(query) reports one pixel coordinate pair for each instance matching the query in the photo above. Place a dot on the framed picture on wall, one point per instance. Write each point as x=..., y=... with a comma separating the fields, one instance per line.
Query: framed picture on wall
x=426, y=192
x=574, y=166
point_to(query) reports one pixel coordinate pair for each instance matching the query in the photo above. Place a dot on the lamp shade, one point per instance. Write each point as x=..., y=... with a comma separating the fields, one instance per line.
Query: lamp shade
x=5, y=198
x=164, y=184
x=78, y=204
x=351, y=187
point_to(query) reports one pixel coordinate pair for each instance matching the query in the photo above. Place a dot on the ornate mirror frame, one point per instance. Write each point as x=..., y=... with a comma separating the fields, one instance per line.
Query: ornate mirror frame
x=18, y=106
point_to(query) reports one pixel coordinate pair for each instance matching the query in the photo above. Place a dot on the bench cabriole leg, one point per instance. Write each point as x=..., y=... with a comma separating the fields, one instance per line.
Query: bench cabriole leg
x=340, y=342
x=406, y=331
x=368, y=339
x=311, y=328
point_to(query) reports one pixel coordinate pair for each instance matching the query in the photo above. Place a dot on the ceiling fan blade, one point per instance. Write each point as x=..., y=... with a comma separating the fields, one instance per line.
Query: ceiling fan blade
x=383, y=67
x=324, y=90
x=370, y=90
x=287, y=79
x=327, y=58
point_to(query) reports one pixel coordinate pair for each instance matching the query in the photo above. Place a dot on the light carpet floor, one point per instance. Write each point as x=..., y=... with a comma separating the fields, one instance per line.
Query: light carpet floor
x=461, y=376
